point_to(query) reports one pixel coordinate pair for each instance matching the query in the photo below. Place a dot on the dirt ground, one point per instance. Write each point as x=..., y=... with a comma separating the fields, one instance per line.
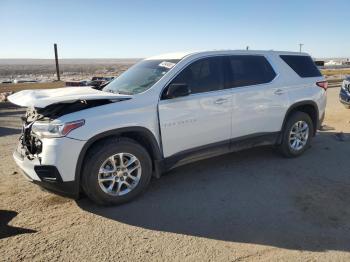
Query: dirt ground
x=251, y=205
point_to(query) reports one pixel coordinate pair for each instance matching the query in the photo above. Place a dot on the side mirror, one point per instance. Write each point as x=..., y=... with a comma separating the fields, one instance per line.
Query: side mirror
x=177, y=90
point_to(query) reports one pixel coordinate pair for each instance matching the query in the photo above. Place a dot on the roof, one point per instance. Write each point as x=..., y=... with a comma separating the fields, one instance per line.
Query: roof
x=181, y=55
x=177, y=55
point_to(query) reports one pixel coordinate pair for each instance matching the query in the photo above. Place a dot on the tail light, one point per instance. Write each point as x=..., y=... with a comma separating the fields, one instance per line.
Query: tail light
x=322, y=84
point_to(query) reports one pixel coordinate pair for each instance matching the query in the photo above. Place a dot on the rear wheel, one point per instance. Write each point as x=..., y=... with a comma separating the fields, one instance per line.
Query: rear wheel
x=116, y=171
x=297, y=134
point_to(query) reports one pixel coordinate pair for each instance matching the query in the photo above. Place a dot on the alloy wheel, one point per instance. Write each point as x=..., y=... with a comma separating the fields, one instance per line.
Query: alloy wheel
x=298, y=135
x=119, y=174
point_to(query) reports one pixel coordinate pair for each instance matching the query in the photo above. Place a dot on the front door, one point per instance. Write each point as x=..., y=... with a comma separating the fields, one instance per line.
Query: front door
x=202, y=118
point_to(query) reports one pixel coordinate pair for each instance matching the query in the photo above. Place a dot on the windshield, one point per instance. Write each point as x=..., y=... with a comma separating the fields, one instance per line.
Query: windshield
x=140, y=77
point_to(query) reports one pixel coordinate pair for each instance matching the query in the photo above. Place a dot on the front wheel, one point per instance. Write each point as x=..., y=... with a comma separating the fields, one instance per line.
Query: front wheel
x=116, y=171
x=296, y=135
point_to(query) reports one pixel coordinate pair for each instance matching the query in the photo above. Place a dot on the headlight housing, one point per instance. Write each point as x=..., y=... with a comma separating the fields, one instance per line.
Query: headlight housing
x=51, y=130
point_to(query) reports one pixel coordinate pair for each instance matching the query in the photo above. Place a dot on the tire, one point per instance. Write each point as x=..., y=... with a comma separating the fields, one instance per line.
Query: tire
x=100, y=156
x=286, y=147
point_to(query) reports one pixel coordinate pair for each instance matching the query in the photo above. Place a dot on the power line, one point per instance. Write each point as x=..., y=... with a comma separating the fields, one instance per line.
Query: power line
x=300, y=46
x=56, y=60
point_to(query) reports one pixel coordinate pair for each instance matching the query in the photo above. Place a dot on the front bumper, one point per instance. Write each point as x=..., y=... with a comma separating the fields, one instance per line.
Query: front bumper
x=54, y=168
x=46, y=177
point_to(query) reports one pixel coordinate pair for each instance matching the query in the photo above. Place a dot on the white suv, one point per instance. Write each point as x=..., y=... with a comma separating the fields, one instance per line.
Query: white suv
x=163, y=112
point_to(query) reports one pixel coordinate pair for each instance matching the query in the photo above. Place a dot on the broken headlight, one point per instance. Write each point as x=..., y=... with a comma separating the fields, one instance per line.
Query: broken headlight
x=51, y=130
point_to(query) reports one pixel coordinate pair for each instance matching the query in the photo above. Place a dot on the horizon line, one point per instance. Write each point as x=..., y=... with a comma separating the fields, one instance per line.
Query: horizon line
x=132, y=58
x=3, y=58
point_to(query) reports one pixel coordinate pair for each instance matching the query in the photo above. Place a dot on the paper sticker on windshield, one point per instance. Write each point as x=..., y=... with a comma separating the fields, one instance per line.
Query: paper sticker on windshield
x=167, y=64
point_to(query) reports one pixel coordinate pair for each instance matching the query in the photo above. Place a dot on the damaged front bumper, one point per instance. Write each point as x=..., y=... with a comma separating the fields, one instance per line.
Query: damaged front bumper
x=54, y=168
x=51, y=161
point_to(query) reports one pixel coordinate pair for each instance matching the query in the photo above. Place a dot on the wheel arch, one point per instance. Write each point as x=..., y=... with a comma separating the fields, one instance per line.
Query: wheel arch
x=309, y=107
x=141, y=135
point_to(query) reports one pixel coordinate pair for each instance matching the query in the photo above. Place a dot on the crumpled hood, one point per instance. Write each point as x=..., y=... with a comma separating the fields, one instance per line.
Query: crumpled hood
x=44, y=97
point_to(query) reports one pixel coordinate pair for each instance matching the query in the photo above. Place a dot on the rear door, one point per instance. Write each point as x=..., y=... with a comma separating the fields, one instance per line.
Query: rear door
x=259, y=104
x=305, y=75
x=204, y=117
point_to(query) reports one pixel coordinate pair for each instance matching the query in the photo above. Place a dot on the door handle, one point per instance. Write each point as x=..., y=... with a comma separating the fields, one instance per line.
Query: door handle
x=279, y=92
x=220, y=101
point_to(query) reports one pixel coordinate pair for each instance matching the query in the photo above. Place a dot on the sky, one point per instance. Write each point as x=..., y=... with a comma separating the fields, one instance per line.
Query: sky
x=137, y=29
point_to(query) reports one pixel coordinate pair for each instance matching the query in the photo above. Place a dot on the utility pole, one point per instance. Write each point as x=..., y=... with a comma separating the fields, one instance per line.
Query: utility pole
x=300, y=46
x=56, y=59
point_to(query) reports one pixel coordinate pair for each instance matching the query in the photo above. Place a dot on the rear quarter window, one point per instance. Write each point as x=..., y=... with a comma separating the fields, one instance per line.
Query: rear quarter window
x=304, y=66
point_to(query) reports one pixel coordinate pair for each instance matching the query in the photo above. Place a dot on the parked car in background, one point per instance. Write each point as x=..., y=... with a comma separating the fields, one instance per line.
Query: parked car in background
x=96, y=81
x=344, y=95
x=167, y=111
x=77, y=83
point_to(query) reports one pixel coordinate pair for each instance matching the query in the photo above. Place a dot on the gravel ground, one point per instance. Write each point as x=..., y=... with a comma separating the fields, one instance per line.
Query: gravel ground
x=251, y=205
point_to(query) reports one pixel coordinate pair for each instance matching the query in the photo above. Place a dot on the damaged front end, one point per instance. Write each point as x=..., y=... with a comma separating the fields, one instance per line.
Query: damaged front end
x=30, y=141
x=45, y=154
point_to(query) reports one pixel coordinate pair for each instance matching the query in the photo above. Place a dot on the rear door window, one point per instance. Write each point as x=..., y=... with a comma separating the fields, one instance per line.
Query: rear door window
x=249, y=70
x=304, y=66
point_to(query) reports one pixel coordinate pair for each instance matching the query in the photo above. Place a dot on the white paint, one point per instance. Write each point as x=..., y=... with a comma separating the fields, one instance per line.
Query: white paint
x=185, y=122
x=43, y=97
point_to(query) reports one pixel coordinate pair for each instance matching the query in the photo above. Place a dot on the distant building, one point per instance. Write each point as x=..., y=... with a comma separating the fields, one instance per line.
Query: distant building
x=332, y=63
x=18, y=81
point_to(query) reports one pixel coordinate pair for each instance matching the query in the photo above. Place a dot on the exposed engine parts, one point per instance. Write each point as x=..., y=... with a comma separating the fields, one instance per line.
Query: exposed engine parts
x=32, y=143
